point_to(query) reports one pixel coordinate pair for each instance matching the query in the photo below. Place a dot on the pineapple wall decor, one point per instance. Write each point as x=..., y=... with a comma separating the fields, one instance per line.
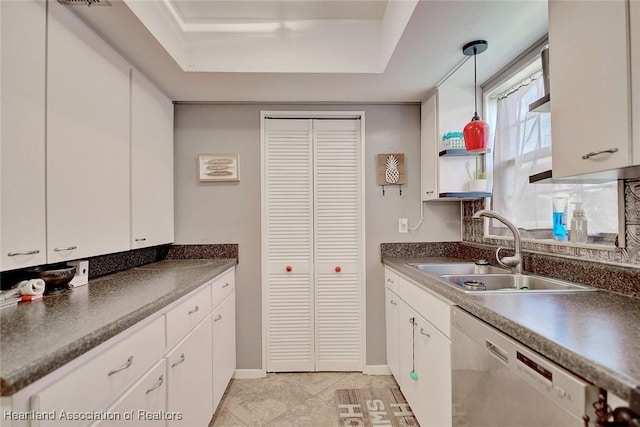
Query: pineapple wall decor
x=390, y=170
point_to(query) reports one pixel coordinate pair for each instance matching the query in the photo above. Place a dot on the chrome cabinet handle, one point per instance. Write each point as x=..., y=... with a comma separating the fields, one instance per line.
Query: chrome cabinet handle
x=596, y=153
x=33, y=252
x=69, y=248
x=424, y=333
x=156, y=385
x=225, y=285
x=122, y=368
x=218, y=318
x=182, y=359
x=141, y=239
x=195, y=310
x=393, y=302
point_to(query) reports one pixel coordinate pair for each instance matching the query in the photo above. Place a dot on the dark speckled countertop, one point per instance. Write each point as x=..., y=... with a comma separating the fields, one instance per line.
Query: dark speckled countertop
x=593, y=334
x=38, y=337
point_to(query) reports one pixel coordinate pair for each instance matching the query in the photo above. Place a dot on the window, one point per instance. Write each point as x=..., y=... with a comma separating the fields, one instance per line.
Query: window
x=522, y=147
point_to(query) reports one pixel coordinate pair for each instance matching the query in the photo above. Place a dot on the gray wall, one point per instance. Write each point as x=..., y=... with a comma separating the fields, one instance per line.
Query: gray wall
x=230, y=212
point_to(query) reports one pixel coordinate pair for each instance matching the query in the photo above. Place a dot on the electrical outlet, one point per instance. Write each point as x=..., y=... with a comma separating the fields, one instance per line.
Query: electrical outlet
x=403, y=225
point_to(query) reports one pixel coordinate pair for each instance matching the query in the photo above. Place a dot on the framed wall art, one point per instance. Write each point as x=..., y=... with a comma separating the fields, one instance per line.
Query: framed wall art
x=219, y=167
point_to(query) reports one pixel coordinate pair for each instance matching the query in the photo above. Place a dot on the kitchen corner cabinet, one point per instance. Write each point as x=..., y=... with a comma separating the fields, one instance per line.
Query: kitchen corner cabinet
x=422, y=334
x=224, y=346
x=88, y=153
x=594, y=77
x=151, y=164
x=22, y=140
x=448, y=109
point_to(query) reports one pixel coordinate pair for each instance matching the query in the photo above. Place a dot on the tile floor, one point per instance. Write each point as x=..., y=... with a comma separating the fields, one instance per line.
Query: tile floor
x=289, y=399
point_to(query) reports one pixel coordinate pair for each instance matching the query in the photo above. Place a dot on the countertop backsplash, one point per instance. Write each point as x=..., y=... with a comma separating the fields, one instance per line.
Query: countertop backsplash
x=102, y=265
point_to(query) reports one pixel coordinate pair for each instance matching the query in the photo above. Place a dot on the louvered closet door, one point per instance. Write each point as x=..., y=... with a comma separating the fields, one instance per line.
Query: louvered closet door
x=289, y=245
x=338, y=251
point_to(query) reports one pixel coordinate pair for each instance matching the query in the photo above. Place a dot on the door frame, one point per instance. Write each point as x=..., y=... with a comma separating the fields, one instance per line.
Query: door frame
x=347, y=114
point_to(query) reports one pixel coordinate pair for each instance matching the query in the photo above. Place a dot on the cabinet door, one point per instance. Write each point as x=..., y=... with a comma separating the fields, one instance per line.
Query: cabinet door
x=87, y=141
x=141, y=404
x=189, y=372
x=429, y=147
x=224, y=346
x=589, y=77
x=22, y=149
x=428, y=393
x=392, y=312
x=151, y=164
x=634, y=19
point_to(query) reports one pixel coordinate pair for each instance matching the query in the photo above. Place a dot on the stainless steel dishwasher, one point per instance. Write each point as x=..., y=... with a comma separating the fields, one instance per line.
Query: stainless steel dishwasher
x=497, y=381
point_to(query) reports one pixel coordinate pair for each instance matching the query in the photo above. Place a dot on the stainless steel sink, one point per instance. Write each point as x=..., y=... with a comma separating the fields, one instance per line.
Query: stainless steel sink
x=457, y=268
x=490, y=283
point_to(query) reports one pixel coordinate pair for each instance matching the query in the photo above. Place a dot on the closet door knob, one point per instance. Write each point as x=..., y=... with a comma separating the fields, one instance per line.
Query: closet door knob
x=288, y=268
x=338, y=269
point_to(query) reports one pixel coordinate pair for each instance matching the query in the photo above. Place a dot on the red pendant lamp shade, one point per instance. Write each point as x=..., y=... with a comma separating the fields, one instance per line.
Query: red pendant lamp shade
x=476, y=132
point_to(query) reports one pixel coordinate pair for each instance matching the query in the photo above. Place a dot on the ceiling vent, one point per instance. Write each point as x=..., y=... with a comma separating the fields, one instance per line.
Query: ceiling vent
x=85, y=2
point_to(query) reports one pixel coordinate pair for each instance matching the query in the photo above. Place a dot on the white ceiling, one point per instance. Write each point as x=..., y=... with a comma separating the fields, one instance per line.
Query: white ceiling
x=312, y=50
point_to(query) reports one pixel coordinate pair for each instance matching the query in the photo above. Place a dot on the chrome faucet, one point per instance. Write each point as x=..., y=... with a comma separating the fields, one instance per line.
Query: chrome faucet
x=515, y=261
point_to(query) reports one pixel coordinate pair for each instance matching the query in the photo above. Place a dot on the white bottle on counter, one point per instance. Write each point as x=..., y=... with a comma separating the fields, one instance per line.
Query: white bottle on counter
x=578, y=232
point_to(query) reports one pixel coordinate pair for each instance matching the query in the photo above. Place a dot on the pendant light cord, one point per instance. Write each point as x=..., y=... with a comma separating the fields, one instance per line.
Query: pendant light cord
x=475, y=88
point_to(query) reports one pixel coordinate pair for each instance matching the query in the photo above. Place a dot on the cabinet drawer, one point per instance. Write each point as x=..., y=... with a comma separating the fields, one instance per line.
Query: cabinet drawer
x=141, y=401
x=186, y=315
x=435, y=310
x=391, y=279
x=96, y=383
x=223, y=286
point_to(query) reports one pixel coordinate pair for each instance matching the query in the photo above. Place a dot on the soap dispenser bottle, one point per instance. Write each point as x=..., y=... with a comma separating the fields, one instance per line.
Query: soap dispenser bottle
x=578, y=231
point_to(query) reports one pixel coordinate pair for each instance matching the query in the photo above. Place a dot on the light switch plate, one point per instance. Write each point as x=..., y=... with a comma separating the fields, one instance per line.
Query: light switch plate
x=403, y=225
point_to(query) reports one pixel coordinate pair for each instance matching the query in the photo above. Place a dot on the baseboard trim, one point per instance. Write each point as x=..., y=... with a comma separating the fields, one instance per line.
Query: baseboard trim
x=249, y=373
x=377, y=370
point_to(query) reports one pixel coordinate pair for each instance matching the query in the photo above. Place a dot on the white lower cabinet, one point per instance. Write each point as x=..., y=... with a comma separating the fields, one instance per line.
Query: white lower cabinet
x=224, y=346
x=189, y=375
x=392, y=313
x=144, y=403
x=418, y=342
x=426, y=352
x=143, y=376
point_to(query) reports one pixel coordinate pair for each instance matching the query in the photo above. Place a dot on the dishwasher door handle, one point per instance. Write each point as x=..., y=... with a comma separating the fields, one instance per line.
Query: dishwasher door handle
x=497, y=351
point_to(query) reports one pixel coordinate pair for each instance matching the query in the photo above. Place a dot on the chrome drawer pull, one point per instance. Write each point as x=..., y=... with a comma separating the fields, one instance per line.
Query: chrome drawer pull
x=143, y=239
x=393, y=302
x=218, y=318
x=182, y=358
x=195, y=310
x=129, y=362
x=33, y=252
x=225, y=285
x=596, y=153
x=69, y=248
x=424, y=333
x=156, y=385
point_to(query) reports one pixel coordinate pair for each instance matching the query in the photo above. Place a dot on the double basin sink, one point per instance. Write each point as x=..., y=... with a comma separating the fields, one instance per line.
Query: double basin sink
x=471, y=278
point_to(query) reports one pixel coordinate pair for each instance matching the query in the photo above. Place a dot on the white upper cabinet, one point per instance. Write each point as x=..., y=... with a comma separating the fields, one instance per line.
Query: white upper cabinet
x=151, y=164
x=590, y=73
x=22, y=148
x=88, y=151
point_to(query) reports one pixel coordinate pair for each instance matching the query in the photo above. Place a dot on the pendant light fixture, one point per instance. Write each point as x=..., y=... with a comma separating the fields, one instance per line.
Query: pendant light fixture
x=476, y=132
